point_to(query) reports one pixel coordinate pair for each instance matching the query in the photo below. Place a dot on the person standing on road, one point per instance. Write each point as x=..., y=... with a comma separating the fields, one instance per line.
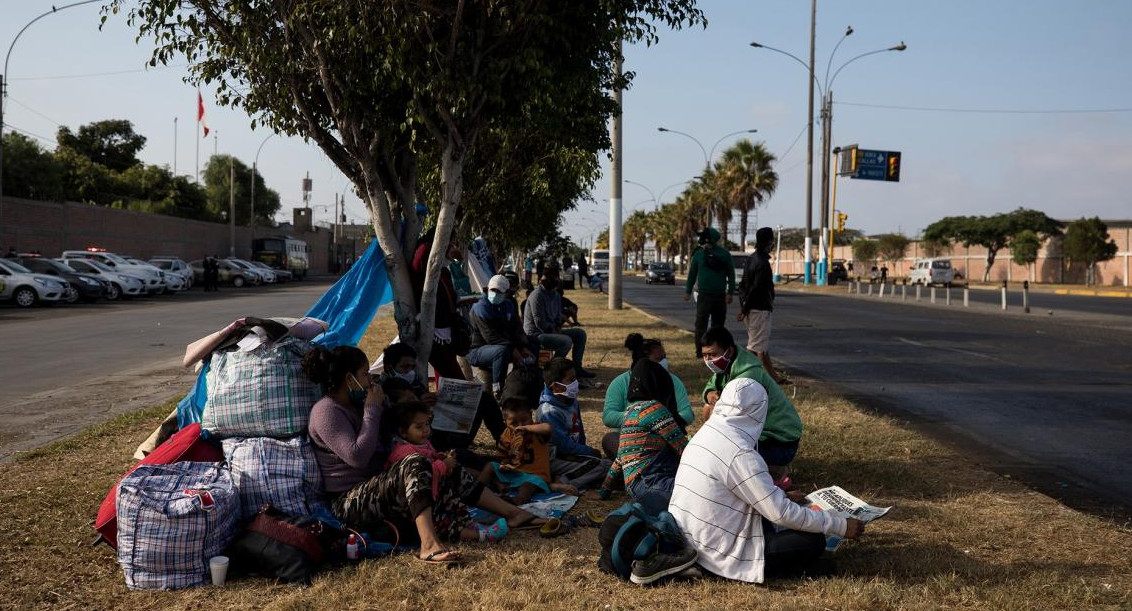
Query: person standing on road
x=712, y=275
x=756, y=300
x=211, y=273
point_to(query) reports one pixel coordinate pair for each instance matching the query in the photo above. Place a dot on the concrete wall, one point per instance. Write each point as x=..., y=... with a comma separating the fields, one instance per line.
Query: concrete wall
x=52, y=227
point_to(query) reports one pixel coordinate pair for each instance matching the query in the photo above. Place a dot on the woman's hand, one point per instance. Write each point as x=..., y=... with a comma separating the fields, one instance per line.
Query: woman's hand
x=854, y=528
x=429, y=399
x=450, y=461
x=375, y=396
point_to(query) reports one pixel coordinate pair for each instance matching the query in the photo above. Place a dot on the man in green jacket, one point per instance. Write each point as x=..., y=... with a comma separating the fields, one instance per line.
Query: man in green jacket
x=712, y=274
x=783, y=430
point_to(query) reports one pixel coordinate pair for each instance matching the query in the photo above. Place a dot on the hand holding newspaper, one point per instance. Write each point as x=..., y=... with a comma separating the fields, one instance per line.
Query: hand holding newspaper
x=835, y=499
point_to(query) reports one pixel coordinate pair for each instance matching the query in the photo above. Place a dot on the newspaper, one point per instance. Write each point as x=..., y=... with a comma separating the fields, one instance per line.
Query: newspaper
x=839, y=502
x=456, y=404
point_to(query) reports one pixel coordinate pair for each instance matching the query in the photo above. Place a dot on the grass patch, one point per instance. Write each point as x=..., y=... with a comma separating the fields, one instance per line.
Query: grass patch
x=959, y=537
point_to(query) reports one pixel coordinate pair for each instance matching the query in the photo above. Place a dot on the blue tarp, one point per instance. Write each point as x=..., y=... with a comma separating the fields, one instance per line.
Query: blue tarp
x=348, y=307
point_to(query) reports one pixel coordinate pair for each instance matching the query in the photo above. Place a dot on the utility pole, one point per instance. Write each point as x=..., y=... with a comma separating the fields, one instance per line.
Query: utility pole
x=615, y=255
x=808, y=273
x=174, y=146
x=231, y=206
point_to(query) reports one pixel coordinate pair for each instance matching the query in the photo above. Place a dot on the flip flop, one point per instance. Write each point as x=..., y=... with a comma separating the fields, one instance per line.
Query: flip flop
x=554, y=527
x=432, y=558
x=530, y=522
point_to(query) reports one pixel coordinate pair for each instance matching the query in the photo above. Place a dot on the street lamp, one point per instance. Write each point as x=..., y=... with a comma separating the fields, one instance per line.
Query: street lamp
x=630, y=182
x=4, y=91
x=707, y=155
x=255, y=166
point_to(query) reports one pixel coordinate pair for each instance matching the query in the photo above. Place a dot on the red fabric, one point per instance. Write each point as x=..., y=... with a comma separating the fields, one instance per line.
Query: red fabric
x=200, y=113
x=185, y=445
x=403, y=449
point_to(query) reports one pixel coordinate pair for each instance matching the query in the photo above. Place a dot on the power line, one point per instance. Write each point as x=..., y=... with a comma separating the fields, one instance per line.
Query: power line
x=34, y=111
x=27, y=133
x=93, y=74
x=991, y=111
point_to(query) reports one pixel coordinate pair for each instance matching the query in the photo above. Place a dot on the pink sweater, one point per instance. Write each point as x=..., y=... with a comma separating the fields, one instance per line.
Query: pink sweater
x=403, y=449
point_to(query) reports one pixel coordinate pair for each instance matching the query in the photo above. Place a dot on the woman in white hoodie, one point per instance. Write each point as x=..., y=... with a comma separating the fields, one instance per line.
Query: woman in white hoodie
x=728, y=506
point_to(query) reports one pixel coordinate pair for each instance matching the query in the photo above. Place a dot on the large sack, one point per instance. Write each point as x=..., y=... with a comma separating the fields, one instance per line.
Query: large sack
x=260, y=393
x=184, y=445
x=171, y=520
x=282, y=473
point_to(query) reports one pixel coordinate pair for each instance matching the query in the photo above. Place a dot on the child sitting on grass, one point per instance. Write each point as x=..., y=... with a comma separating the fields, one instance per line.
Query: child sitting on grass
x=412, y=421
x=524, y=455
x=571, y=460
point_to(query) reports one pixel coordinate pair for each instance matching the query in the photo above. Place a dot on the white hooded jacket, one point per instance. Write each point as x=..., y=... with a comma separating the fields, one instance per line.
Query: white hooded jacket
x=723, y=489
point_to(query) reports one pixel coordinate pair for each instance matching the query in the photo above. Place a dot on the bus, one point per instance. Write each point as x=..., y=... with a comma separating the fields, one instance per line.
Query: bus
x=283, y=252
x=599, y=262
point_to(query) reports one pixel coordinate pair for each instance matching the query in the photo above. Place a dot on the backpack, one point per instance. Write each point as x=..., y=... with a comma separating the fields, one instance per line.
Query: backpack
x=713, y=261
x=630, y=533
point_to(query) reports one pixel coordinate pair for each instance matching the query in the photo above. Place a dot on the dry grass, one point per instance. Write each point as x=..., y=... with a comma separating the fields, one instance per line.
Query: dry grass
x=959, y=537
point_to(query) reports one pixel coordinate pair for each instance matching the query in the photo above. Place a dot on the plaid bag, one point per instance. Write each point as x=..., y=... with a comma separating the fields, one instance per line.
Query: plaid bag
x=171, y=520
x=260, y=393
x=281, y=472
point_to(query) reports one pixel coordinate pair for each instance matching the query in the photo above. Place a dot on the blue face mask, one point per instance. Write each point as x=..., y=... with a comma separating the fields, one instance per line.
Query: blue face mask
x=357, y=396
x=495, y=297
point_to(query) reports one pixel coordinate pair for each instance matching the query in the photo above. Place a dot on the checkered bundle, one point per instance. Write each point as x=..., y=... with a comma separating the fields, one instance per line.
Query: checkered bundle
x=282, y=472
x=260, y=393
x=171, y=520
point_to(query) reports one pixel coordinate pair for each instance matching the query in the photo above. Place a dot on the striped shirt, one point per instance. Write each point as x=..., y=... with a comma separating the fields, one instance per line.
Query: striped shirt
x=648, y=428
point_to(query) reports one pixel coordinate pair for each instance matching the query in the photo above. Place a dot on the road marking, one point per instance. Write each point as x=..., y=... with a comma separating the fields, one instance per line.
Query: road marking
x=959, y=350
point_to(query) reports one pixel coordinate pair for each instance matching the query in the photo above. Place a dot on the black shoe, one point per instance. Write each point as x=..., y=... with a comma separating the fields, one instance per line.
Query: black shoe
x=660, y=565
x=582, y=373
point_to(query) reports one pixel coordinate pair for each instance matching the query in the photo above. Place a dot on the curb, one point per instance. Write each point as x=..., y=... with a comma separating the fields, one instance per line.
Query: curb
x=1092, y=293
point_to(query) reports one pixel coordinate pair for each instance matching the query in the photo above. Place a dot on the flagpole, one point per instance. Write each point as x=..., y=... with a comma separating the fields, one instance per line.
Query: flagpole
x=174, y=147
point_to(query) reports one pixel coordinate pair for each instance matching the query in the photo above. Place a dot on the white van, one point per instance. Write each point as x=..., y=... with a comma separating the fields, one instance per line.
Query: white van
x=932, y=271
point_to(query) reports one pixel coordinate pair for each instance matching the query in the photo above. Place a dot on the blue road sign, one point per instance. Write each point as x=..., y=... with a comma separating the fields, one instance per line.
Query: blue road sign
x=873, y=165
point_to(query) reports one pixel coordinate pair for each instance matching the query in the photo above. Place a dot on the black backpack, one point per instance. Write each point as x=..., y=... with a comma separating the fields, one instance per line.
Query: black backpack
x=713, y=261
x=630, y=533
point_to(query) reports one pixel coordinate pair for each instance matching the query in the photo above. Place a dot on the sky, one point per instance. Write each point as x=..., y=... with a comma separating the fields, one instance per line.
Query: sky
x=1044, y=68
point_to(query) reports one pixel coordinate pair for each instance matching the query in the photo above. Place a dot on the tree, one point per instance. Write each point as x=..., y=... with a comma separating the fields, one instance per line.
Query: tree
x=847, y=237
x=1024, y=248
x=794, y=238
x=602, y=241
x=991, y=232
x=216, y=183
x=111, y=143
x=748, y=179
x=891, y=246
x=635, y=233
x=865, y=251
x=1087, y=241
x=376, y=85
x=29, y=171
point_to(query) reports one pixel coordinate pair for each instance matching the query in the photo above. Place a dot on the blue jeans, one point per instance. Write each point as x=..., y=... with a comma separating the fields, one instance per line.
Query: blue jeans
x=653, y=487
x=562, y=342
x=495, y=357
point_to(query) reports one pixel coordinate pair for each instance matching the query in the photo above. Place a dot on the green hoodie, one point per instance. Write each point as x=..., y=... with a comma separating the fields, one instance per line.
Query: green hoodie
x=782, y=421
x=710, y=281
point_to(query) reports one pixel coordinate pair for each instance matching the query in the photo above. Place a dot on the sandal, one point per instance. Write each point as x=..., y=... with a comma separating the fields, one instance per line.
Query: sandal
x=454, y=557
x=554, y=527
x=529, y=521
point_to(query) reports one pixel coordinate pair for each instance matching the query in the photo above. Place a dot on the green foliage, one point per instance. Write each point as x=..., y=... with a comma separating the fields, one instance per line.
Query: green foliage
x=1024, y=247
x=890, y=246
x=30, y=172
x=847, y=237
x=111, y=143
x=865, y=250
x=1087, y=241
x=216, y=187
x=992, y=232
x=794, y=238
x=746, y=179
x=602, y=240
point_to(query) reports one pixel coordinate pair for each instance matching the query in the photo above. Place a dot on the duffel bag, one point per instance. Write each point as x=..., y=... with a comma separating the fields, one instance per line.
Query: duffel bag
x=260, y=393
x=185, y=445
x=171, y=520
x=282, y=473
x=288, y=548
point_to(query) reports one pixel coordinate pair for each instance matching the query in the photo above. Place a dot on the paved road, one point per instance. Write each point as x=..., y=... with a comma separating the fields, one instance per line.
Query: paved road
x=68, y=367
x=1044, y=399
x=1043, y=302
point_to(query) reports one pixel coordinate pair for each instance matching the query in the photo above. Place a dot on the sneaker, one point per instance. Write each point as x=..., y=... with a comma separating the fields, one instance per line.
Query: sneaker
x=585, y=373
x=660, y=565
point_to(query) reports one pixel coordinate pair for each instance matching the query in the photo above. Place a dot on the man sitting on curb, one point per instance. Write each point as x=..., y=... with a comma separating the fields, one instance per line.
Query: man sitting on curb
x=778, y=443
x=542, y=319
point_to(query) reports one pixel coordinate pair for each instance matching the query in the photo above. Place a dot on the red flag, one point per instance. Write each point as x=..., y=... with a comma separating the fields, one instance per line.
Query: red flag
x=200, y=113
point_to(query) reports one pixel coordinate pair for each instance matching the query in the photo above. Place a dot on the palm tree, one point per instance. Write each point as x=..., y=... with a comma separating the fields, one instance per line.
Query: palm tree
x=748, y=179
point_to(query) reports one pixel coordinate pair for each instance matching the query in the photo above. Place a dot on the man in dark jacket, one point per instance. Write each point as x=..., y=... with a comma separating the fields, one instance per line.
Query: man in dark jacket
x=497, y=338
x=756, y=300
x=712, y=274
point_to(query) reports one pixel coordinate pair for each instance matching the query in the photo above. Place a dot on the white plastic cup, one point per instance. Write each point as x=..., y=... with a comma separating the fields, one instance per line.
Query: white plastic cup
x=218, y=565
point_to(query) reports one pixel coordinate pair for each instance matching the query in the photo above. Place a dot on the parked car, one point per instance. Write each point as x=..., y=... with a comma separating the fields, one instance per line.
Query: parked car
x=267, y=276
x=118, y=284
x=171, y=283
x=176, y=266
x=659, y=271
x=281, y=275
x=27, y=288
x=932, y=271
x=81, y=286
x=150, y=275
x=234, y=274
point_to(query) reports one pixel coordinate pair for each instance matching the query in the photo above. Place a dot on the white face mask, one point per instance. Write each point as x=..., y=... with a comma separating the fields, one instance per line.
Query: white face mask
x=571, y=391
x=718, y=364
x=495, y=297
x=409, y=376
x=664, y=363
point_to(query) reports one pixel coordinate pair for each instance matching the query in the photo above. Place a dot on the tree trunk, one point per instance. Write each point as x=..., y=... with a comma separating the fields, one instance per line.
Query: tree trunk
x=743, y=229
x=991, y=252
x=396, y=261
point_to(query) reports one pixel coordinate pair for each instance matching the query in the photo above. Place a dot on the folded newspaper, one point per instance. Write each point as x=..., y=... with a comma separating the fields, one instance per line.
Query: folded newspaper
x=457, y=402
x=836, y=500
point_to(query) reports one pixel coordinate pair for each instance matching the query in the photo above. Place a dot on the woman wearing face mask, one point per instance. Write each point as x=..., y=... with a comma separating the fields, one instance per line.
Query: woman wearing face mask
x=345, y=430
x=497, y=336
x=616, y=396
x=571, y=460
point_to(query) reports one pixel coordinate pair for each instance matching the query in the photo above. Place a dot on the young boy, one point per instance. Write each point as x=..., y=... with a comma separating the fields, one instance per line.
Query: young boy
x=571, y=460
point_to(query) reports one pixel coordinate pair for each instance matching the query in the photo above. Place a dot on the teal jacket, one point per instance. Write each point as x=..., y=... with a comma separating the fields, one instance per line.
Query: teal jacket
x=616, y=401
x=710, y=281
x=782, y=421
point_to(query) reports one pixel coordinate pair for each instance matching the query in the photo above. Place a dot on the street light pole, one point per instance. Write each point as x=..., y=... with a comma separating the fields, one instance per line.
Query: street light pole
x=653, y=197
x=4, y=90
x=707, y=155
x=255, y=169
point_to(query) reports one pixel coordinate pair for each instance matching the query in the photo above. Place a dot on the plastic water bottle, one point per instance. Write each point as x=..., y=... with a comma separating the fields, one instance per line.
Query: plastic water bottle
x=352, y=547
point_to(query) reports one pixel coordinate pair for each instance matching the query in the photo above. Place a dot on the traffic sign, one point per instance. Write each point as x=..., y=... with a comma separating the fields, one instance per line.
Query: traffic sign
x=877, y=165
